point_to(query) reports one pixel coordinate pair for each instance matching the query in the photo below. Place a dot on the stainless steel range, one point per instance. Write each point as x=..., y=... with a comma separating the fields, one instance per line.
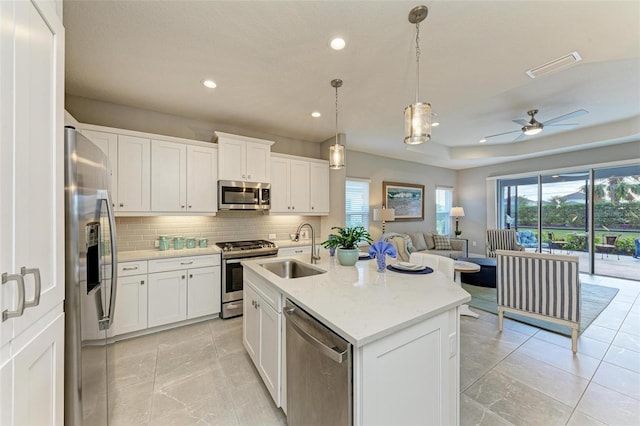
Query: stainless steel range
x=233, y=252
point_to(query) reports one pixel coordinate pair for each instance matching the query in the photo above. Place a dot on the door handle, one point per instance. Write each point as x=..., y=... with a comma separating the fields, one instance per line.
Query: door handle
x=133, y=268
x=38, y=288
x=6, y=314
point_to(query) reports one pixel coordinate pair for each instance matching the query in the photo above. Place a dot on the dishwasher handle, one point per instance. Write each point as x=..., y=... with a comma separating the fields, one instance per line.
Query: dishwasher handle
x=293, y=319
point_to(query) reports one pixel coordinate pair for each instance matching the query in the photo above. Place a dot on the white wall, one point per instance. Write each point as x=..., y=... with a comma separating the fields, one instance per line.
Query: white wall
x=474, y=190
x=379, y=169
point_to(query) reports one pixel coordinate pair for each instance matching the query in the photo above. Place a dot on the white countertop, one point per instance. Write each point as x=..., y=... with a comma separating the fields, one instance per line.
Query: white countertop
x=135, y=255
x=361, y=304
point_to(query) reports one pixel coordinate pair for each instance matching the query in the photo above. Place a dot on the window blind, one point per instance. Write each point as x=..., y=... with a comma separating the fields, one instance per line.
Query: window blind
x=357, y=203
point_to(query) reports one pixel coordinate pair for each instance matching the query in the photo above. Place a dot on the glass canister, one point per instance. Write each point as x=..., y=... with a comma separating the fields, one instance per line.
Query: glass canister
x=202, y=242
x=191, y=242
x=164, y=242
x=178, y=243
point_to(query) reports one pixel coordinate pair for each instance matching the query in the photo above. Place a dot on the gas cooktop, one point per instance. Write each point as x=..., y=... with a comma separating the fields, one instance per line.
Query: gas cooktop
x=247, y=248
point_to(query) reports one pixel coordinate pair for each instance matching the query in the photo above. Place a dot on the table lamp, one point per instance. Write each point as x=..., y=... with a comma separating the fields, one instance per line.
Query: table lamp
x=384, y=215
x=457, y=212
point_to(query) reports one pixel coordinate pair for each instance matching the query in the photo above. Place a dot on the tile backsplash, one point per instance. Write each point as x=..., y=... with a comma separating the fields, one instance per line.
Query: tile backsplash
x=140, y=233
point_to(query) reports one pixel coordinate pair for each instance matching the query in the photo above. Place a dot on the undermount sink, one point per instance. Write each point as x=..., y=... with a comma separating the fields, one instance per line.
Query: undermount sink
x=290, y=269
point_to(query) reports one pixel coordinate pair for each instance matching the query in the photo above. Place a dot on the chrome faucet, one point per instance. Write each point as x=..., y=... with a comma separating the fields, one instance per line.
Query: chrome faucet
x=315, y=256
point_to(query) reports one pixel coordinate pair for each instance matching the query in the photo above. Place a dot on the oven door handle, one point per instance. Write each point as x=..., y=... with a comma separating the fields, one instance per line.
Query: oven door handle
x=228, y=261
x=233, y=261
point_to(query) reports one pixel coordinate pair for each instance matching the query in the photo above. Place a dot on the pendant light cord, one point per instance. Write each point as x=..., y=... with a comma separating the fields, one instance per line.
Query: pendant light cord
x=336, y=115
x=417, y=62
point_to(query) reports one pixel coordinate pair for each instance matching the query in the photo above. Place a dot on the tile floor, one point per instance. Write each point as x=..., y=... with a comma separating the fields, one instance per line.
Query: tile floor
x=200, y=374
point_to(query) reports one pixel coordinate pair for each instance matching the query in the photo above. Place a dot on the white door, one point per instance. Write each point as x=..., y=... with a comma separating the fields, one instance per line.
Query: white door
x=319, y=185
x=131, y=305
x=231, y=159
x=168, y=176
x=251, y=323
x=134, y=174
x=31, y=155
x=280, y=185
x=258, y=164
x=299, y=184
x=108, y=143
x=202, y=179
x=167, y=297
x=203, y=292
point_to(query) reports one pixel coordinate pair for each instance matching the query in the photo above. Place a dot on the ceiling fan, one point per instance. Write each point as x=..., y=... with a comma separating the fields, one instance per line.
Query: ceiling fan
x=533, y=126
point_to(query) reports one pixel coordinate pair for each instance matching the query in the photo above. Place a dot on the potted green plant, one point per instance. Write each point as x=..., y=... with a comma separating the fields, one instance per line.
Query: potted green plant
x=346, y=241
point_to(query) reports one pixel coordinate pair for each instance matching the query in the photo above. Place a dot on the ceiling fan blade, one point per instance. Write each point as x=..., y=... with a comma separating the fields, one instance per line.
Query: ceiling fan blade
x=521, y=122
x=521, y=136
x=500, y=134
x=573, y=114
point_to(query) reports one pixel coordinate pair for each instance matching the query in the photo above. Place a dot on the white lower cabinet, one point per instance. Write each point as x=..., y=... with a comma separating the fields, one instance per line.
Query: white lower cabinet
x=167, y=297
x=183, y=288
x=131, y=305
x=262, y=325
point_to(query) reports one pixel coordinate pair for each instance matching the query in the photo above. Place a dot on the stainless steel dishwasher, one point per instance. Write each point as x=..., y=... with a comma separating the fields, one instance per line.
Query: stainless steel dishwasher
x=319, y=372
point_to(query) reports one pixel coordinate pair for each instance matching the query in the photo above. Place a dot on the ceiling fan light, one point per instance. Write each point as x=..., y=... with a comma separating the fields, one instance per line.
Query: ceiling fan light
x=530, y=131
x=417, y=123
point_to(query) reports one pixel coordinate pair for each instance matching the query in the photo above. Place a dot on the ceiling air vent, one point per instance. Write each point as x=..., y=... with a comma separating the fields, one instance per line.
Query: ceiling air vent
x=555, y=65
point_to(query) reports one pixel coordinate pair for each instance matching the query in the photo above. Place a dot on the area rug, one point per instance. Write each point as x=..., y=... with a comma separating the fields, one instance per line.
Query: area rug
x=594, y=299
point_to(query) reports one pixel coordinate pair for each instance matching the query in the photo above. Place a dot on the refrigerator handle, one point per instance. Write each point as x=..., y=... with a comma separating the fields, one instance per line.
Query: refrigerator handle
x=107, y=320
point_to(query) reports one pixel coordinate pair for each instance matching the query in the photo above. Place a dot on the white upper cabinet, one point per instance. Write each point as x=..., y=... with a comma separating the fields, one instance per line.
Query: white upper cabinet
x=183, y=178
x=243, y=159
x=202, y=176
x=108, y=143
x=319, y=184
x=299, y=185
x=134, y=174
x=168, y=176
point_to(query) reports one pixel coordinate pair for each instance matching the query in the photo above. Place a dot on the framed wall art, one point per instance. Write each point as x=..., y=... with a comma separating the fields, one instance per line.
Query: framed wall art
x=406, y=198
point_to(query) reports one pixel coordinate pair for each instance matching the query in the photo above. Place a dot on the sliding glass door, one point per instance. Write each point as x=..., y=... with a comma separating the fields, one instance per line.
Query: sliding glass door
x=564, y=215
x=616, y=193
x=553, y=213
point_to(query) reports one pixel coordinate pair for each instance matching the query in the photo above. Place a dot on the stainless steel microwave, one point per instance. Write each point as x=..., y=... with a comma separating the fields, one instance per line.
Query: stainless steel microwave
x=234, y=195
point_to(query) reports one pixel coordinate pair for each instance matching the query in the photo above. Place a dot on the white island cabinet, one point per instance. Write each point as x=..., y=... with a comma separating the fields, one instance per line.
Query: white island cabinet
x=404, y=330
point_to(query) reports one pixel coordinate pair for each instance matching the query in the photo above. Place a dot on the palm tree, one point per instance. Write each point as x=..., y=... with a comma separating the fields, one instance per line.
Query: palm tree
x=619, y=189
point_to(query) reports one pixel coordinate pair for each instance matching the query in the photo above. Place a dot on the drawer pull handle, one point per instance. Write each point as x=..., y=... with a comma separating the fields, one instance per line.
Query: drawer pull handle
x=130, y=268
x=6, y=314
x=38, y=288
x=142, y=282
x=186, y=263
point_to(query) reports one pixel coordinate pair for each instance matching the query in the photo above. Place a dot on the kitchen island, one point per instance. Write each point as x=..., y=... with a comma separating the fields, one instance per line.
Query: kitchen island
x=404, y=329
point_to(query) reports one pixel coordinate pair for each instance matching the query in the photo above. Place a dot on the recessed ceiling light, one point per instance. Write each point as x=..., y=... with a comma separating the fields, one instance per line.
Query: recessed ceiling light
x=315, y=114
x=337, y=43
x=209, y=83
x=482, y=140
x=435, y=124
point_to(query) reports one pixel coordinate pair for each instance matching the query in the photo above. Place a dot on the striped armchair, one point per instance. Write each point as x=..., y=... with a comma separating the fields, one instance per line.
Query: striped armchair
x=502, y=239
x=541, y=286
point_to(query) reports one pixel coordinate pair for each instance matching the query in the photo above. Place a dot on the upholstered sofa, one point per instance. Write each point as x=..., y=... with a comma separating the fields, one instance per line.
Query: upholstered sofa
x=426, y=242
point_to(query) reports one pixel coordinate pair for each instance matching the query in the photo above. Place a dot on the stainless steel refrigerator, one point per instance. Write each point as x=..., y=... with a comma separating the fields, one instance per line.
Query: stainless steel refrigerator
x=91, y=271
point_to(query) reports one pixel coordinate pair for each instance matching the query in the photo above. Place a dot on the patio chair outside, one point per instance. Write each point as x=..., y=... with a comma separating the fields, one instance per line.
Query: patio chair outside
x=609, y=246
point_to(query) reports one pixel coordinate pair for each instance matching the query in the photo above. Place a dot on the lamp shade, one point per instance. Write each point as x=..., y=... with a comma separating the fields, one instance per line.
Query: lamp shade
x=386, y=215
x=456, y=212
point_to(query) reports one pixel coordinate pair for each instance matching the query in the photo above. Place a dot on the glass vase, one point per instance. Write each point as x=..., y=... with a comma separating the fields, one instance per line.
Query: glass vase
x=382, y=262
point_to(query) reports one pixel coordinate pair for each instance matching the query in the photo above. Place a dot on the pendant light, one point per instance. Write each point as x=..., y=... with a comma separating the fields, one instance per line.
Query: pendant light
x=417, y=117
x=336, y=151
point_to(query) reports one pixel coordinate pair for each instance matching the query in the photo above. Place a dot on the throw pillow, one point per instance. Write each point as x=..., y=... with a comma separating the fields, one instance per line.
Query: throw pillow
x=442, y=242
x=428, y=238
x=408, y=244
x=418, y=241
